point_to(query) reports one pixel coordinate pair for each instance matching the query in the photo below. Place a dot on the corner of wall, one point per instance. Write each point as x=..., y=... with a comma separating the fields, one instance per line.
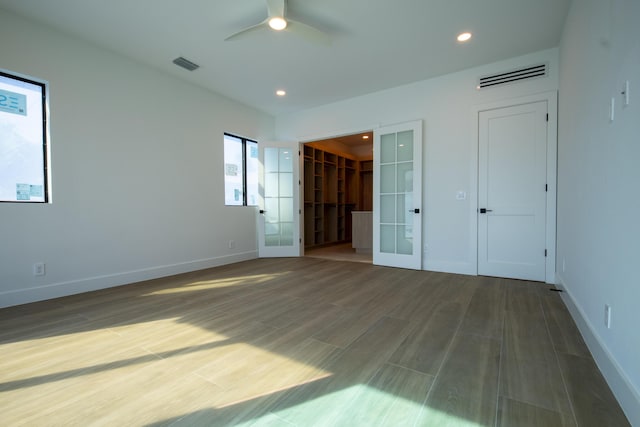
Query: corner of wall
x=613, y=373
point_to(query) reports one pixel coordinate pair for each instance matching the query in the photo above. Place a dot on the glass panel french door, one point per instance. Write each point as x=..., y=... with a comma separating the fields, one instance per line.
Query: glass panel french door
x=279, y=220
x=397, y=198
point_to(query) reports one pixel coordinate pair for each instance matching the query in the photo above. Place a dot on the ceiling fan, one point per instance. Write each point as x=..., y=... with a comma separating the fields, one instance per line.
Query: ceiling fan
x=278, y=21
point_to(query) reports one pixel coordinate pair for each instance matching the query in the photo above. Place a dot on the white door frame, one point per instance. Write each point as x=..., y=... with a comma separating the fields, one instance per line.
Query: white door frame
x=318, y=137
x=552, y=162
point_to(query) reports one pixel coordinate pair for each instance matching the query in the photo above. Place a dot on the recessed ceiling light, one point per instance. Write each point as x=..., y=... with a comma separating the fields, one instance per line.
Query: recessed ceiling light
x=365, y=136
x=277, y=23
x=281, y=92
x=463, y=37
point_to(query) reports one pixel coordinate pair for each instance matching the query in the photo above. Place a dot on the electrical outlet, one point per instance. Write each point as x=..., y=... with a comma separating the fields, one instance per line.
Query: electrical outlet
x=607, y=316
x=39, y=269
x=232, y=244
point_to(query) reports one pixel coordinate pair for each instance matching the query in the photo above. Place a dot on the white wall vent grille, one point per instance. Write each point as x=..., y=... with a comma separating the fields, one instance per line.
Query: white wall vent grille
x=514, y=76
x=185, y=63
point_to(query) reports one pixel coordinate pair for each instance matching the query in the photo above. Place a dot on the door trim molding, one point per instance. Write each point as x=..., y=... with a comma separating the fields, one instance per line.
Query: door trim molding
x=303, y=139
x=552, y=161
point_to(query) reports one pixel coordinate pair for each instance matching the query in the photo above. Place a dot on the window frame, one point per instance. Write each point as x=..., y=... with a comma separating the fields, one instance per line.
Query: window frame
x=245, y=195
x=44, y=104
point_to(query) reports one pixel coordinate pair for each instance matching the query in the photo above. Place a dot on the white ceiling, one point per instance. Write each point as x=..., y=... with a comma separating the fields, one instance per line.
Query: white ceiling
x=375, y=45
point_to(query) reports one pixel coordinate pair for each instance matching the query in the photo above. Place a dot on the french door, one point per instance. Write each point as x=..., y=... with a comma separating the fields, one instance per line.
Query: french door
x=279, y=219
x=397, y=196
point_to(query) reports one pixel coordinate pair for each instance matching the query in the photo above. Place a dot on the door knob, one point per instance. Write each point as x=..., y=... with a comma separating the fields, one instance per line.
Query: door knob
x=483, y=210
x=414, y=210
x=262, y=211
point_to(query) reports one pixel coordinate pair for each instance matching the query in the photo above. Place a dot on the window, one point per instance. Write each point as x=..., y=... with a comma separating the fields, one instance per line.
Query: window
x=241, y=167
x=23, y=139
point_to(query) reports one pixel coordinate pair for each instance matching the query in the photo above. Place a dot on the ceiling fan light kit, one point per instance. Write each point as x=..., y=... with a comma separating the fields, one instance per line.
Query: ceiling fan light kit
x=278, y=21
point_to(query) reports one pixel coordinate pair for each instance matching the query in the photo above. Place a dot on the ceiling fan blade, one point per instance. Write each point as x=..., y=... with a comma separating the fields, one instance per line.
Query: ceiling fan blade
x=308, y=32
x=276, y=8
x=248, y=30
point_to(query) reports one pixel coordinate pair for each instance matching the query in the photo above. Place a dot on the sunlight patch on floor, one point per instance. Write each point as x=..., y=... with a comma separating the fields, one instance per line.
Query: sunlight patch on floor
x=254, y=279
x=435, y=417
x=257, y=372
x=360, y=405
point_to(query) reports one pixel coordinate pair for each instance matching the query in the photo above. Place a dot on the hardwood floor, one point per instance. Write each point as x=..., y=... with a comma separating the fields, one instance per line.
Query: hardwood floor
x=338, y=252
x=302, y=342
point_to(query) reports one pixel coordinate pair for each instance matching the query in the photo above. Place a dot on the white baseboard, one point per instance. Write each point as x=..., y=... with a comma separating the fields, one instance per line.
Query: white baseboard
x=622, y=388
x=56, y=290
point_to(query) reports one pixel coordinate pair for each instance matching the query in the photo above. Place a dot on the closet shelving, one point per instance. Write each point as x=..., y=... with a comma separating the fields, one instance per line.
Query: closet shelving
x=330, y=194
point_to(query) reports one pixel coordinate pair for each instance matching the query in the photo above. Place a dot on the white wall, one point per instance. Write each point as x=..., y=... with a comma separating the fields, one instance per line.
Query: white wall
x=137, y=172
x=446, y=105
x=598, y=186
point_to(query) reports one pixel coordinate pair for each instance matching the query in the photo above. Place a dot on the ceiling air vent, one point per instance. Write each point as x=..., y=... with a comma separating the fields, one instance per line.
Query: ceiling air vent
x=514, y=76
x=185, y=63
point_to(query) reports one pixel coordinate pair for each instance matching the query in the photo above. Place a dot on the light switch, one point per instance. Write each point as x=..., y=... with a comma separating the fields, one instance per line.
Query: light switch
x=625, y=94
x=461, y=195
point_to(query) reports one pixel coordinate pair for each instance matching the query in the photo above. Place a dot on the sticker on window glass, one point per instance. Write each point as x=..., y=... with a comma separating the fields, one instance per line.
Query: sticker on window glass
x=11, y=102
x=231, y=169
x=254, y=152
x=23, y=192
x=36, y=190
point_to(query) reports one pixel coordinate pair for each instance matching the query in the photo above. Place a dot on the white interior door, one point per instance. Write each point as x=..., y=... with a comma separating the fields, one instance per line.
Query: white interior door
x=397, y=196
x=279, y=219
x=512, y=191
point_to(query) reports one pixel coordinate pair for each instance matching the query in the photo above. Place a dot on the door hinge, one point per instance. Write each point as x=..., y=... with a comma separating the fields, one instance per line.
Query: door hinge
x=299, y=211
x=546, y=187
x=545, y=252
x=547, y=116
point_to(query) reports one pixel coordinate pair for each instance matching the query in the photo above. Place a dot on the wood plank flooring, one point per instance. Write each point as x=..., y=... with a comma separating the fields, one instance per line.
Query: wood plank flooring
x=302, y=342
